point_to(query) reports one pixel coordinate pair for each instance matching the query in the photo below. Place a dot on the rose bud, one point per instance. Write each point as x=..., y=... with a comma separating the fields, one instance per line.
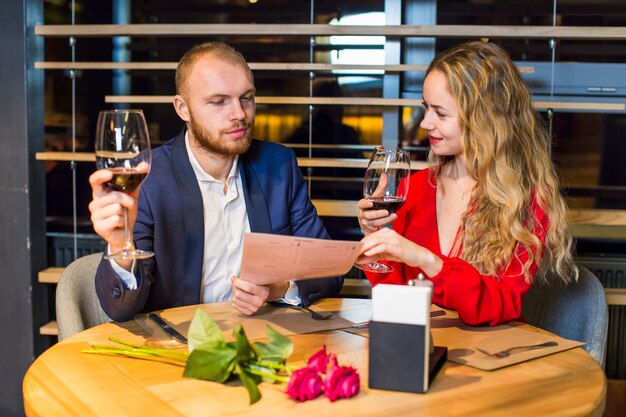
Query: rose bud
x=304, y=384
x=319, y=360
x=341, y=382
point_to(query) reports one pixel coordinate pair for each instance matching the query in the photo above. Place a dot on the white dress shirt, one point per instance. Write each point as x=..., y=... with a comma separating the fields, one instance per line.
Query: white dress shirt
x=225, y=223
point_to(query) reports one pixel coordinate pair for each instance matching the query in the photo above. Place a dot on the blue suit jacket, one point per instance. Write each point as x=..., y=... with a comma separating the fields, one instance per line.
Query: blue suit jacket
x=170, y=222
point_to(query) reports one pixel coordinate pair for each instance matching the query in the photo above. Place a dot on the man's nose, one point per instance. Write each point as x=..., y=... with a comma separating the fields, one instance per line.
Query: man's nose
x=236, y=111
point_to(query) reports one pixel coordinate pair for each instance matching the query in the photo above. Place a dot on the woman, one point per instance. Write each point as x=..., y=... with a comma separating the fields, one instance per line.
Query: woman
x=487, y=214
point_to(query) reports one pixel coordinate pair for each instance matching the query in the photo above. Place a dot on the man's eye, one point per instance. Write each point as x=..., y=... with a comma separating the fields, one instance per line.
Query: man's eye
x=247, y=98
x=217, y=102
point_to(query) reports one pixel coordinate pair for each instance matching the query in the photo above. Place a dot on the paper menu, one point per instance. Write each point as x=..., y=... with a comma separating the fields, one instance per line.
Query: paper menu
x=271, y=258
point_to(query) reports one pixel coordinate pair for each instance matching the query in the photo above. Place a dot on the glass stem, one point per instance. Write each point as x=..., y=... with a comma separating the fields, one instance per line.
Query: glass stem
x=128, y=241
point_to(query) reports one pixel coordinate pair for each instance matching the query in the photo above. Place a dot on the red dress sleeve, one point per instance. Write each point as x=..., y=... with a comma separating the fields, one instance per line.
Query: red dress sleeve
x=477, y=298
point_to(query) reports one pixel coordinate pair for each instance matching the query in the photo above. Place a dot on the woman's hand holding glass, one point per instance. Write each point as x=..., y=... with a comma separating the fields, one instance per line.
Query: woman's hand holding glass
x=386, y=244
x=390, y=245
x=385, y=188
x=372, y=220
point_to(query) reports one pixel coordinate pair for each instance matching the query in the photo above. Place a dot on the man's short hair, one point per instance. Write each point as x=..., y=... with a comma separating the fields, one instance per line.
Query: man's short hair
x=220, y=50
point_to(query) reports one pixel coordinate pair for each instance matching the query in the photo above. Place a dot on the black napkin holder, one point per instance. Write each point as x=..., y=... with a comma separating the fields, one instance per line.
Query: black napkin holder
x=400, y=357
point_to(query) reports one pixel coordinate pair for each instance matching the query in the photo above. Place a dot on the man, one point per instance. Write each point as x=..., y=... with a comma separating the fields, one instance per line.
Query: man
x=207, y=187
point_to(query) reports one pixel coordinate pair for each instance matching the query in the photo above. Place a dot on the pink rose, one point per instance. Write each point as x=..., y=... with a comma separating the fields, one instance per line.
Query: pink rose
x=341, y=382
x=304, y=384
x=319, y=360
x=332, y=361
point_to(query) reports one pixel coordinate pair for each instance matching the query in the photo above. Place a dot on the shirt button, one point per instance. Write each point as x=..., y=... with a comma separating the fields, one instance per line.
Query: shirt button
x=421, y=276
x=116, y=292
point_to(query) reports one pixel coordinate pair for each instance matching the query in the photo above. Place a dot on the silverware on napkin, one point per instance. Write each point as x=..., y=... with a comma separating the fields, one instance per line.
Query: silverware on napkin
x=314, y=314
x=505, y=353
x=171, y=332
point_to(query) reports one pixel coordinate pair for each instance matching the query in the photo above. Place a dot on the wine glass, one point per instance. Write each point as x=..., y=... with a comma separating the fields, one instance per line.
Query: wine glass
x=123, y=147
x=386, y=185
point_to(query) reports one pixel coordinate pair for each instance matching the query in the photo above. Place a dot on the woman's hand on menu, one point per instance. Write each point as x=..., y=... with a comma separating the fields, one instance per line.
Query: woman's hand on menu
x=387, y=244
x=249, y=297
x=373, y=220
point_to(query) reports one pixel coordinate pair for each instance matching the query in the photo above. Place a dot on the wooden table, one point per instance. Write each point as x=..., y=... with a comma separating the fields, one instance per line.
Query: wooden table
x=65, y=382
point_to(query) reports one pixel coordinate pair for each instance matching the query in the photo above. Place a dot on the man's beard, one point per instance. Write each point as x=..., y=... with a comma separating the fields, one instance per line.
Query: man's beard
x=210, y=143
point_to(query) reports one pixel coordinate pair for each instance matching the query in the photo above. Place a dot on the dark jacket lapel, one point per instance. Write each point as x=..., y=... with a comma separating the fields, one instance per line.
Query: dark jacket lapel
x=256, y=206
x=193, y=212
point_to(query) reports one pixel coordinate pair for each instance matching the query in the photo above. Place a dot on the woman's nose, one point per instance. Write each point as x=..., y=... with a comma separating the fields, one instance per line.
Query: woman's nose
x=427, y=123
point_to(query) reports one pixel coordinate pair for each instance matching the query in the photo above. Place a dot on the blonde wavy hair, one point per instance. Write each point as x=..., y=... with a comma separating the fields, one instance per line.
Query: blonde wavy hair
x=507, y=152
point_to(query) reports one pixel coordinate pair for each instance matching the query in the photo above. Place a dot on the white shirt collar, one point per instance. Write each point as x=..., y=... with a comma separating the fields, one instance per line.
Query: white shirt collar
x=201, y=174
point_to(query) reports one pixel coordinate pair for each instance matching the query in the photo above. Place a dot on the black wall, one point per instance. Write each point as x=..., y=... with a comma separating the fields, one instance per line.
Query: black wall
x=23, y=302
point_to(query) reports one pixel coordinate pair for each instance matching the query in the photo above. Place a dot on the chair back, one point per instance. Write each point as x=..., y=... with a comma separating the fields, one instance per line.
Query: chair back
x=77, y=305
x=576, y=311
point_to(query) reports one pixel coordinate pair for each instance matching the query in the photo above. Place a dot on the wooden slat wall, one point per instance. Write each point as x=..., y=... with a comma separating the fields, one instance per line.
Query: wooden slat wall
x=587, y=223
x=438, y=31
x=615, y=220
x=255, y=66
x=371, y=101
x=303, y=162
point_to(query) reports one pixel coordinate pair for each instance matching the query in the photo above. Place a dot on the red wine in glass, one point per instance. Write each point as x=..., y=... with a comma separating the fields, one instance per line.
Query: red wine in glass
x=386, y=185
x=390, y=203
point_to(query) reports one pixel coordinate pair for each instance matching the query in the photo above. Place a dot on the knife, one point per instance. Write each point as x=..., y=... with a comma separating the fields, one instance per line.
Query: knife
x=171, y=332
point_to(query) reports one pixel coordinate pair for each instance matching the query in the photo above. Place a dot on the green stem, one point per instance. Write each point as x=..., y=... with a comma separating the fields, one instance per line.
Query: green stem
x=141, y=352
x=268, y=375
x=123, y=353
x=141, y=348
x=278, y=366
x=124, y=342
x=144, y=347
x=117, y=352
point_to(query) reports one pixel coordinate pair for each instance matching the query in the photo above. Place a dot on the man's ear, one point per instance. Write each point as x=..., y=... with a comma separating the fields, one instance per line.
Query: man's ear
x=180, y=105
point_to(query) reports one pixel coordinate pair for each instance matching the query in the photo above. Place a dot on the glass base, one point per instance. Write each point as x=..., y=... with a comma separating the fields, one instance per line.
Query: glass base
x=129, y=254
x=375, y=267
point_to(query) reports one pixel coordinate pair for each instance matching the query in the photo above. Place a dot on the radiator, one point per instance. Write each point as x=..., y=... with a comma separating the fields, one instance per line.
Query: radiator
x=611, y=271
x=61, y=247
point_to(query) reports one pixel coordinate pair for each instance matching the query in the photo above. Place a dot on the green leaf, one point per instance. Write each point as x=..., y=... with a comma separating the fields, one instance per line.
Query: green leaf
x=250, y=383
x=282, y=344
x=278, y=349
x=244, y=350
x=211, y=361
x=203, y=330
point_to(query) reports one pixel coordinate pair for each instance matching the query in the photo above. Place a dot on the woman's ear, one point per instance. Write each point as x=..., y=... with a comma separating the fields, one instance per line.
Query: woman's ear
x=180, y=105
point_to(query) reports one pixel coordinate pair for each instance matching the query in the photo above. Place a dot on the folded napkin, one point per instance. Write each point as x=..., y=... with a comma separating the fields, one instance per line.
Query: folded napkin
x=287, y=321
x=463, y=341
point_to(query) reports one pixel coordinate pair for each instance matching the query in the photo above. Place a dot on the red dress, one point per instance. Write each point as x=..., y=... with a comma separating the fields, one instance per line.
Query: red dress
x=477, y=298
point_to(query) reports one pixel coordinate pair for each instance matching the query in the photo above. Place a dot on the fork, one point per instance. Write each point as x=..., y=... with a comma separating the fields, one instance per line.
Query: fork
x=314, y=314
x=505, y=353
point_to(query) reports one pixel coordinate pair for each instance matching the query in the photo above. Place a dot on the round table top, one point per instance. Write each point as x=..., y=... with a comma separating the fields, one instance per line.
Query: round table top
x=65, y=382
